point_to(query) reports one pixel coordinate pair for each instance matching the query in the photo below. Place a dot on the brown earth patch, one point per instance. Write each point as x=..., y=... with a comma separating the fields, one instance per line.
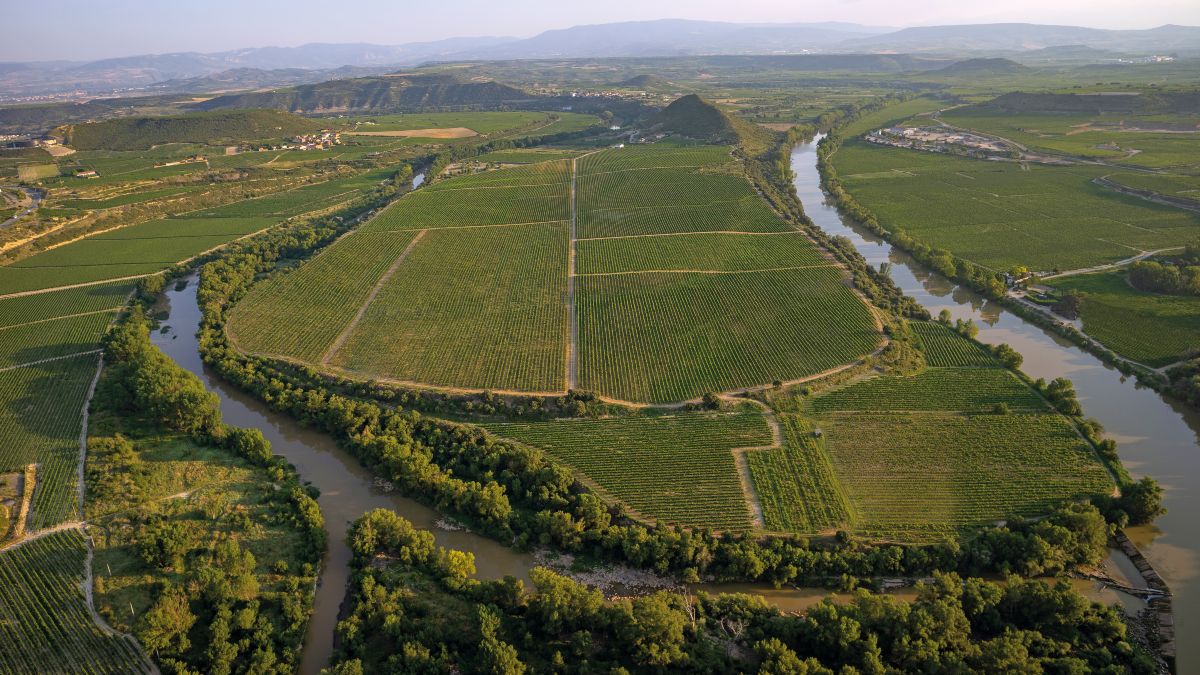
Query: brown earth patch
x=448, y=132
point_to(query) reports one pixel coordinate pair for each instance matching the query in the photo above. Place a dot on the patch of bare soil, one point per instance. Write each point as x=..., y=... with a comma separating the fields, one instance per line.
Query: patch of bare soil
x=447, y=132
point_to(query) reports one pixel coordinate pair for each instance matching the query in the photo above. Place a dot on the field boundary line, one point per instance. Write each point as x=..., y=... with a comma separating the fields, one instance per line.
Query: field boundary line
x=49, y=359
x=572, y=346
x=689, y=271
x=493, y=187
x=472, y=227
x=673, y=206
x=100, y=282
x=345, y=334
x=64, y=316
x=690, y=234
x=742, y=462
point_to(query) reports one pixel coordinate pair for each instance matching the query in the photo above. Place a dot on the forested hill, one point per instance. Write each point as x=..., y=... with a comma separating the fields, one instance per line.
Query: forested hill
x=375, y=94
x=696, y=118
x=217, y=128
x=1092, y=104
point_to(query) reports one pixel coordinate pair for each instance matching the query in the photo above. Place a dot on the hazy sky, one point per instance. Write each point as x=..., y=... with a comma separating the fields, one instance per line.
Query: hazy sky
x=90, y=29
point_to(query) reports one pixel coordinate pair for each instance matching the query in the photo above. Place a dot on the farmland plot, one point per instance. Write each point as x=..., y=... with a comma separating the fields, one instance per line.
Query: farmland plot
x=1151, y=328
x=701, y=251
x=471, y=307
x=677, y=469
x=943, y=347
x=46, y=626
x=320, y=292
x=965, y=389
x=998, y=215
x=462, y=208
x=922, y=476
x=796, y=484
x=674, y=336
x=40, y=423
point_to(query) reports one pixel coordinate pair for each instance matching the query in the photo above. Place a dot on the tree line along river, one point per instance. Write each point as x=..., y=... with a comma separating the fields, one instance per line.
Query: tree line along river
x=1156, y=437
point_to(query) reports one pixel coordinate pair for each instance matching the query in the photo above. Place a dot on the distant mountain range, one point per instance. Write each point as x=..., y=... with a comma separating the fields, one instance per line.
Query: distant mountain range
x=289, y=66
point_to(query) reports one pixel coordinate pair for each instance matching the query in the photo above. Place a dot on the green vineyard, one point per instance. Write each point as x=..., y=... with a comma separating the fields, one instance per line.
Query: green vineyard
x=796, y=485
x=677, y=469
x=921, y=476
x=45, y=626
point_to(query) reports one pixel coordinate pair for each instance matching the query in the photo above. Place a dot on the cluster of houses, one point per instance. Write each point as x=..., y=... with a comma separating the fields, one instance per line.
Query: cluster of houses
x=939, y=140
x=326, y=138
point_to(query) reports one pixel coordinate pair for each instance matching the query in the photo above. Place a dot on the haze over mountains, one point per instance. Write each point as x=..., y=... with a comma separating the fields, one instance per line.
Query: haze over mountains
x=281, y=66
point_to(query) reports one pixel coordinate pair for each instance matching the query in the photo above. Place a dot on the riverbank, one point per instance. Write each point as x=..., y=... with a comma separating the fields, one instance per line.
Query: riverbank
x=1157, y=436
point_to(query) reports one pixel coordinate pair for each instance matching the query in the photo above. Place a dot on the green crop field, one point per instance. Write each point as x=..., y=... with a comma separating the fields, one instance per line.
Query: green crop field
x=470, y=307
x=1150, y=328
x=677, y=469
x=747, y=214
x=47, y=626
x=479, y=302
x=700, y=251
x=919, y=476
x=480, y=122
x=320, y=291
x=965, y=389
x=526, y=155
x=999, y=215
x=53, y=338
x=673, y=336
x=40, y=407
x=943, y=347
x=1119, y=138
x=1174, y=185
x=796, y=484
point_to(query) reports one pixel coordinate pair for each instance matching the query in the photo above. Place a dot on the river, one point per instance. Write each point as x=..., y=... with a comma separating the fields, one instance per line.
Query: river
x=1157, y=436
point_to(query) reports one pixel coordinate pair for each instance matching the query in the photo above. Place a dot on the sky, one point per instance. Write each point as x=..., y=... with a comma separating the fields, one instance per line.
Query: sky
x=91, y=29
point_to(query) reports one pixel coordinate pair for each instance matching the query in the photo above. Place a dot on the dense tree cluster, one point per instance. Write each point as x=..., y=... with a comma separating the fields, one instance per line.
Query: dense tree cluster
x=210, y=613
x=415, y=608
x=1155, y=277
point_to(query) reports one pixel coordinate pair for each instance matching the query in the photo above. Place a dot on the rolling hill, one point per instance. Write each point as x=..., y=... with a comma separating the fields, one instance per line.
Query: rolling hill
x=374, y=94
x=140, y=133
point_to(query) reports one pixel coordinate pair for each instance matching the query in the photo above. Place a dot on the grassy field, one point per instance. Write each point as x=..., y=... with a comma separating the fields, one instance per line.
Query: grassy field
x=917, y=476
x=677, y=468
x=1150, y=328
x=479, y=122
x=47, y=627
x=999, y=215
x=470, y=307
x=671, y=336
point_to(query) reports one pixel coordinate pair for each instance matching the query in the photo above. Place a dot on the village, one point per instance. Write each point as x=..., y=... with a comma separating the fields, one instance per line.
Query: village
x=941, y=140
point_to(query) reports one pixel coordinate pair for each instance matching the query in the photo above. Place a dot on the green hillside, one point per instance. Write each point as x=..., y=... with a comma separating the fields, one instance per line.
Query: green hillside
x=374, y=94
x=696, y=118
x=140, y=133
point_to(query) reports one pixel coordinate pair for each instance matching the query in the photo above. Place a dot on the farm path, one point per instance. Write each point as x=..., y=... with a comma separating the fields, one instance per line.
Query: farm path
x=688, y=234
x=753, y=503
x=65, y=316
x=47, y=360
x=67, y=287
x=572, y=350
x=341, y=338
x=1111, y=266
